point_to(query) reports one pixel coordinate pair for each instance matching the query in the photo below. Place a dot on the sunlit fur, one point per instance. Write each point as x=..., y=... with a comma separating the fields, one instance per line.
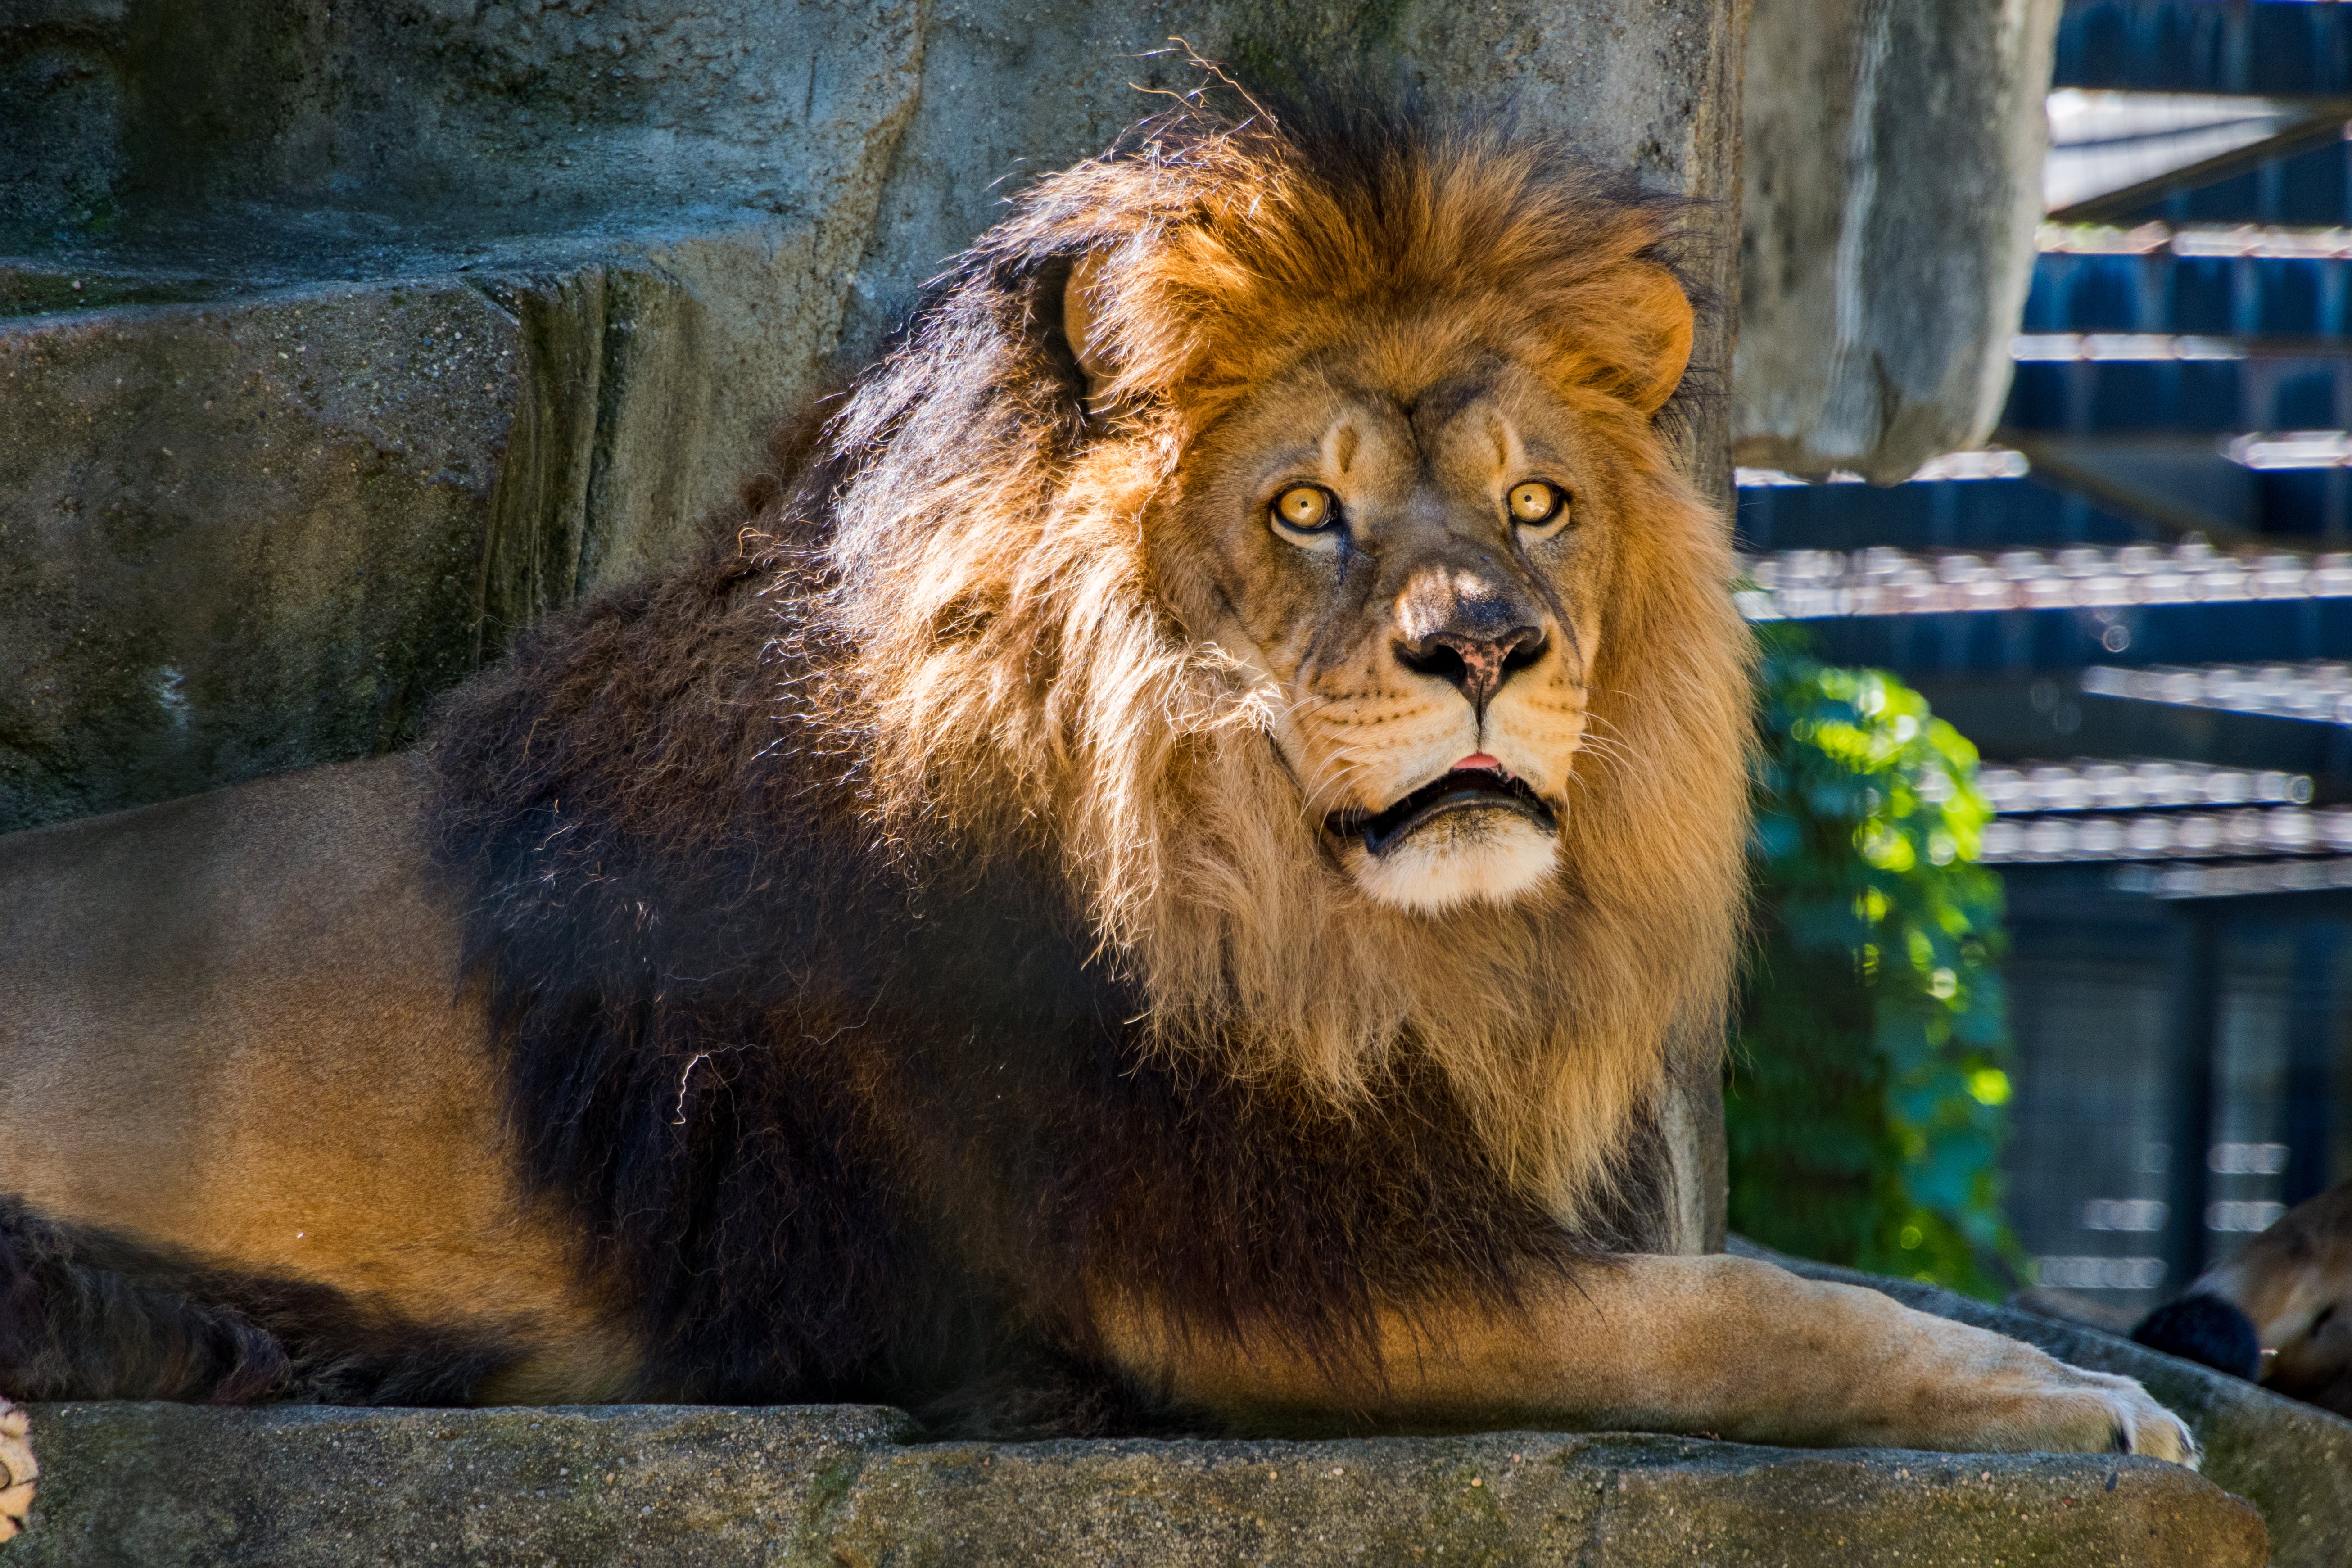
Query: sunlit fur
x=1024, y=675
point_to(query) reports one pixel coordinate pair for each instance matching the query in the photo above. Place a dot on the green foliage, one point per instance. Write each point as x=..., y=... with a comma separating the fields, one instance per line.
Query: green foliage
x=1865, y=1098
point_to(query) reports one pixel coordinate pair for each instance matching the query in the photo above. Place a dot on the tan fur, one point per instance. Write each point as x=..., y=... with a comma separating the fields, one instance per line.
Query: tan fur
x=18, y=1471
x=177, y=1063
x=1726, y=1346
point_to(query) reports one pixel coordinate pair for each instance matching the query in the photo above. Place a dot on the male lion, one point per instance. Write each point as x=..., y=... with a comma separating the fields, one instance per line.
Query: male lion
x=1160, y=881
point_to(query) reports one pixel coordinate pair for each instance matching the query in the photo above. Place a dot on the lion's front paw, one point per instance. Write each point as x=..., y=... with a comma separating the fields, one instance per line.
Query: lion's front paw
x=17, y=1469
x=2083, y=1412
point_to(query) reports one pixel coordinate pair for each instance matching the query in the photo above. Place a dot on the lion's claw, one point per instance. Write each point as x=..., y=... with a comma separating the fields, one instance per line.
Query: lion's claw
x=1978, y=1390
x=17, y=1470
x=2097, y=1412
x=2157, y=1432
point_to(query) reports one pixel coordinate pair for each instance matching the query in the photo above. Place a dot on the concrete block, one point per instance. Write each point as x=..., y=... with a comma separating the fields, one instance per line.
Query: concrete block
x=260, y=533
x=153, y=1484
x=237, y=539
x=1893, y=185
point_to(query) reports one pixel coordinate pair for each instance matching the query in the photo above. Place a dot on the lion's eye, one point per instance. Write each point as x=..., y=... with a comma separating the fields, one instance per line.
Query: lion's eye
x=1305, y=508
x=1536, y=502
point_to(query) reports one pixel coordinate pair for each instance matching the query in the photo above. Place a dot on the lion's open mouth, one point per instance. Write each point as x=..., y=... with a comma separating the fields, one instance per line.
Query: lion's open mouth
x=1461, y=789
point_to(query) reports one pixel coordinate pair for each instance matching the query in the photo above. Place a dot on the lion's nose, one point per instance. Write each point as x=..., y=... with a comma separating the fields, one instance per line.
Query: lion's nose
x=1476, y=665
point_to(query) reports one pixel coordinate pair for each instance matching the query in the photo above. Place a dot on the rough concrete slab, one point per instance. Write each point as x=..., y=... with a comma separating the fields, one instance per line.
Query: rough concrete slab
x=153, y=1484
x=235, y=541
x=269, y=133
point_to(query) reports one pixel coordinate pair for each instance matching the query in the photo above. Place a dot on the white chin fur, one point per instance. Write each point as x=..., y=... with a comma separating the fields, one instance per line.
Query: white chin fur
x=1458, y=858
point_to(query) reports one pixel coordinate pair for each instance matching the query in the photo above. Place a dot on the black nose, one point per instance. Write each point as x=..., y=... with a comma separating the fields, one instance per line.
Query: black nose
x=1476, y=665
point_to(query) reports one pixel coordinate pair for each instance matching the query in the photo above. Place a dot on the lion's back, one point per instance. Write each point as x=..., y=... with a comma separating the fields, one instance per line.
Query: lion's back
x=234, y=1023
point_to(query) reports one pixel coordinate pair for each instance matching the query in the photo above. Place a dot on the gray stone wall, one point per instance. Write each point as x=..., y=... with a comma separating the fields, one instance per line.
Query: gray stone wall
x=338, y=341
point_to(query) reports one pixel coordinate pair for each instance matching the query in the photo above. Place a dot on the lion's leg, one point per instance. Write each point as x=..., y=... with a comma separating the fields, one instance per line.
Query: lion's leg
x=17, y=1470
x=86, y=1314
x=1726, y=1346
x=72, y=1328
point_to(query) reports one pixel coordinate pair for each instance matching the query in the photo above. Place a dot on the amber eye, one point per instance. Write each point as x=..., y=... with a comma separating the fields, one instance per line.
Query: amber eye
x=1305, y=508
x=1535, y=502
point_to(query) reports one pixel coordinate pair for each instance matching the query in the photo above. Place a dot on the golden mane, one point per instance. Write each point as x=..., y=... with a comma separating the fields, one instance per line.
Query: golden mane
x=1018, y=678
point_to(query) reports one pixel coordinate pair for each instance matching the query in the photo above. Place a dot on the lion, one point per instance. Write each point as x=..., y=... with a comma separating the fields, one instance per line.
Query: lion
x=1173, y=872
x=2279, y=1309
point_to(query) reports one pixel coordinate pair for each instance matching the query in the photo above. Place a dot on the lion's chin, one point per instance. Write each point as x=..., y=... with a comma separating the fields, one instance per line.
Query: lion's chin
x=1461, y=858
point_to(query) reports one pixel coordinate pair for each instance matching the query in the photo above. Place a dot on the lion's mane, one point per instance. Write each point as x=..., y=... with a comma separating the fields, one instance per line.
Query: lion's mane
x=902, y=896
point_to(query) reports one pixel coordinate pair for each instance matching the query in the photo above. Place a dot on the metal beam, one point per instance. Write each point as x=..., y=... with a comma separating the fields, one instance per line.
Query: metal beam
x=2195, y=1013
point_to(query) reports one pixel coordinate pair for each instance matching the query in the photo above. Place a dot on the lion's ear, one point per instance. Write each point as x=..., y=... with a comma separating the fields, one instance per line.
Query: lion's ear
x=1080, y=321
x=1660, y=340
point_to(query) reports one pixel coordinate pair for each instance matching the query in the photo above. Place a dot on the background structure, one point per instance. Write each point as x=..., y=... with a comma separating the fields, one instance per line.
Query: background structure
x=1894, y=181
x=2140, y=610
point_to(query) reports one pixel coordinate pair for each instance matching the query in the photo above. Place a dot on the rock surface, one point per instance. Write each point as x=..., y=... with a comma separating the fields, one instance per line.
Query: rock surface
x=262, y=532
x=152, y=1484
x=1894, y=183
x=542, y=277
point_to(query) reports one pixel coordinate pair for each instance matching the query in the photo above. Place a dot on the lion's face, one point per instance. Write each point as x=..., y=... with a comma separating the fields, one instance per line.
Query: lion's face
x=1412, y=545
x=1317, y=586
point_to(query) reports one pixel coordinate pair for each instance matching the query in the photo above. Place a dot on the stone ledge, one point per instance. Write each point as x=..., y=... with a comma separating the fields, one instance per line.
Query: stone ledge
x=291, y=1487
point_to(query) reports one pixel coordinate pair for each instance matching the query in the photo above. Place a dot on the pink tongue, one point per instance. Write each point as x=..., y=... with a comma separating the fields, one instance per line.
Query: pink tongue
x=1480, y=760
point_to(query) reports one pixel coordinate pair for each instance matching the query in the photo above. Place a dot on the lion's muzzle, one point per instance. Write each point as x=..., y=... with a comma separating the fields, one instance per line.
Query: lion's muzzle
x=1459, y=790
